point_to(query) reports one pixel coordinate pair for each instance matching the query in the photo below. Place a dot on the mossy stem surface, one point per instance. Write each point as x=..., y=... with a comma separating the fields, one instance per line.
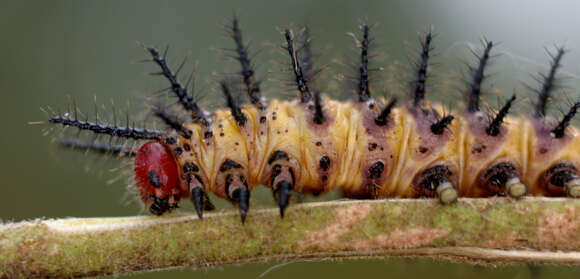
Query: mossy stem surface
x=493, y=230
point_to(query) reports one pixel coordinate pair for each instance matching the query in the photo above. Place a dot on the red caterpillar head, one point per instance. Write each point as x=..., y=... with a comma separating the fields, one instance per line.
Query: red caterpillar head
x=157, y=177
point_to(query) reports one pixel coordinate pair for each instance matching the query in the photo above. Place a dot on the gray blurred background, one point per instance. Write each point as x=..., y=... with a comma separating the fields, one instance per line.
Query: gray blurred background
x=53, y=49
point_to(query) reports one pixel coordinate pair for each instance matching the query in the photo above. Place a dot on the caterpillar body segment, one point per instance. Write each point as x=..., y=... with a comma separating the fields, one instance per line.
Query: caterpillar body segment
x=552, y=162
x=367, y=147
x=491, y=161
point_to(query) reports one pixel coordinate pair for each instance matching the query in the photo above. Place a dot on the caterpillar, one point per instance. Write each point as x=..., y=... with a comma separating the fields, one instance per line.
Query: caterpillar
x=369, y=147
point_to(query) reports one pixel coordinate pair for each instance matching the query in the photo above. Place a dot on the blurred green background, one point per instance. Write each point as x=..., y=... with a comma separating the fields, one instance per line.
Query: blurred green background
x=53, y=49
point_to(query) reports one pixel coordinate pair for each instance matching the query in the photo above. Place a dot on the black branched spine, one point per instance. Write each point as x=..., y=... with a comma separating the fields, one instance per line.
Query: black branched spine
x=549, y=82
x=439, y=127
x=98, y=147
x=422, y=68
x=301, y=81
x=319, y=117
x=235, y=109
x=172, y=121
x=560, y=130
x=495, y=126
x=305, y=53
x=180, y=91
x=477, y=78
x=385, y=114
x=114, y=131
x=247, y=71
x=364, y=93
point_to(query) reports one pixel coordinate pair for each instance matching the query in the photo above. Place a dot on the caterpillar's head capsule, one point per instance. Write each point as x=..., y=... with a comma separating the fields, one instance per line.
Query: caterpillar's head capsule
x=157, y=177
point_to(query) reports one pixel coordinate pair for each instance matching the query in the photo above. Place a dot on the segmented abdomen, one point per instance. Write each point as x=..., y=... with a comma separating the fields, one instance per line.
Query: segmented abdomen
x=351, y=152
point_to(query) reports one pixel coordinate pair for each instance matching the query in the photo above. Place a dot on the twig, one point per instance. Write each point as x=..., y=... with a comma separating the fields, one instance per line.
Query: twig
x=529, y=230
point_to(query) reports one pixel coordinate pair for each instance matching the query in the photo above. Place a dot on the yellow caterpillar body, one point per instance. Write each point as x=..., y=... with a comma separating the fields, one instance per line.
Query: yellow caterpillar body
x=353, y=143
x=366, y=147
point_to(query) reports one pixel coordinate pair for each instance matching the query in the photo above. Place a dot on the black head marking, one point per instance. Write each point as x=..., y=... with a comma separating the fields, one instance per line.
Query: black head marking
x=154, y=179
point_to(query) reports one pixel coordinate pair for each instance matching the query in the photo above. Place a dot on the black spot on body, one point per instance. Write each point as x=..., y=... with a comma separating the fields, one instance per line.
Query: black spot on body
x=423, y=149
x=376, y=170
x=324, y=163
x=178, y=151
x=263, y=119
x=277, y=155
x=190, y=167
x=170, y=140
x=318, y=143
x=221, y=134
x=229, y=164
x=154, y=179
x=543, y=150
x=372, y=146
x=186, y=147
x=208, y=134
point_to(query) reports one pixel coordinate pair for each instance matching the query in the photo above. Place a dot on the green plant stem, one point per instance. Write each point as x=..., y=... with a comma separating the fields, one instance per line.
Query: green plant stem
x=495, y=230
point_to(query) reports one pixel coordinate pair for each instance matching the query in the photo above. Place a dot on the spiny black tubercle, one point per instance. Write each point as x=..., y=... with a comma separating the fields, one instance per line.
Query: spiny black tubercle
x=549, y=83
x=495, y=126
x=439, y=127
x=98, y=147
x=364, y=93
x=306, y=53
x=383, y=117
x=173, y=122
x=235, y=109
x=247, y=71
x=113, y=131
x=422, y=68
x=560, y=130
x=477, y=78
x=319, y=117
x=301, y=81
x=180, y=91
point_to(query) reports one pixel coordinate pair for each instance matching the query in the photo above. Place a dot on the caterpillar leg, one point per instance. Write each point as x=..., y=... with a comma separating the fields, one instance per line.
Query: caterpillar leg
x=515, y=188
x=282, y=184
x=199, y=197
x=573, y=187
x=436, y=181
x=447, y=194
